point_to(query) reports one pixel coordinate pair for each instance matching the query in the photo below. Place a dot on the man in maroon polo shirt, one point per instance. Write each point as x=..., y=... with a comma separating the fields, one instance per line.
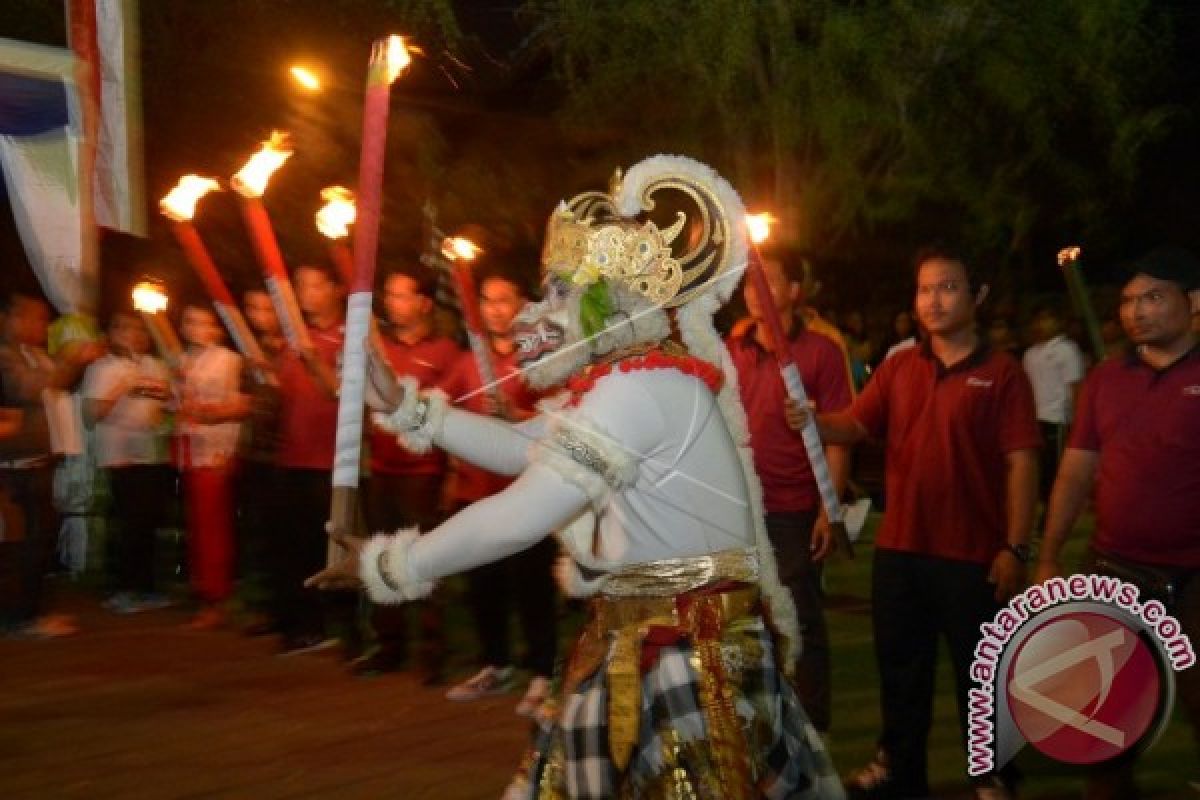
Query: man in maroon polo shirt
x=961, y=481
x=796, y=524
x=405, y=487
x=308, y=385
x=1136, y=442
x=523, y=582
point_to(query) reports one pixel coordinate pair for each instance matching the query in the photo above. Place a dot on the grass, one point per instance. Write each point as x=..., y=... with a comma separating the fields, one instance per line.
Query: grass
x=1163, y=772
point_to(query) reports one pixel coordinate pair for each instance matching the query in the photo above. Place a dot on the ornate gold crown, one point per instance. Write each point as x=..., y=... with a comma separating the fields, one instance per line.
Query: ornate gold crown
x=589, y=238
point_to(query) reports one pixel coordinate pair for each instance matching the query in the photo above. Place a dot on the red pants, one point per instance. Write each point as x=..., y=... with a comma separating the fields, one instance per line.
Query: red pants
x=208, y=496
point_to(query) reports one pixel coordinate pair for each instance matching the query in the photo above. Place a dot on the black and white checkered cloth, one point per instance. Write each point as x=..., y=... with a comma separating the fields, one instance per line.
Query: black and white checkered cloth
x=788, y=758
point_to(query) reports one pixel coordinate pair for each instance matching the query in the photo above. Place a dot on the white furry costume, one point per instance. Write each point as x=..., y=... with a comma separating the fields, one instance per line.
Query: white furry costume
x=647, y=478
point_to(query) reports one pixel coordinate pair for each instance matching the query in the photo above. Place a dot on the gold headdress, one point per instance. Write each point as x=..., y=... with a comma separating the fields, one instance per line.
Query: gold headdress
x=614, y=236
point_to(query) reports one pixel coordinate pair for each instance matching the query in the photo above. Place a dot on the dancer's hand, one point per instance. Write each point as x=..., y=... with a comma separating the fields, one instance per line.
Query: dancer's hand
x=384, y=391
x=343, y=574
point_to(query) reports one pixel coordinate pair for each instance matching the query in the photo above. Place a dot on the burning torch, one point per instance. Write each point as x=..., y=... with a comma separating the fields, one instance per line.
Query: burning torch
x=333, y=221
x=150, y=300
x=1068, y=262
x=389, y=57
x=250, y=182
x=460, y=253
x=180, y=207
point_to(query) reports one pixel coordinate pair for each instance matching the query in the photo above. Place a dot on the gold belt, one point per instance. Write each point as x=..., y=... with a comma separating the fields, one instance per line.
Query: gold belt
x=620, y=628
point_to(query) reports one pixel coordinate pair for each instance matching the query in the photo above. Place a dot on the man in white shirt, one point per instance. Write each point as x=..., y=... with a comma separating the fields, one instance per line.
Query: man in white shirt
x=125, y=396
x=1055, y=368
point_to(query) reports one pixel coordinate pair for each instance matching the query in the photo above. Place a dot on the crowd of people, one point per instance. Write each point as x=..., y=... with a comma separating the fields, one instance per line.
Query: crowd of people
x=965, y=425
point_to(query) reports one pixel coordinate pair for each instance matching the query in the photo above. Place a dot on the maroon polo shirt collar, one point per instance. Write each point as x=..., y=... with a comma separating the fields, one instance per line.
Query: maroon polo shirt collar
x=976, y=357
x=793, y=333
x=1132, y=359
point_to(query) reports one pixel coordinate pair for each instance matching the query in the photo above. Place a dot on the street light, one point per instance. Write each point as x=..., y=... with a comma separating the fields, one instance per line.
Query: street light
x=306, y=78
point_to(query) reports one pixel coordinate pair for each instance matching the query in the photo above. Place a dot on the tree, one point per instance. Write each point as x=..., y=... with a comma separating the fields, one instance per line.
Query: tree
x=993, y=117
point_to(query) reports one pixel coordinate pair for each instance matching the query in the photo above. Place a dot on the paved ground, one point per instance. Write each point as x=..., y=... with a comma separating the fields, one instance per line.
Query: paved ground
x=138, y=707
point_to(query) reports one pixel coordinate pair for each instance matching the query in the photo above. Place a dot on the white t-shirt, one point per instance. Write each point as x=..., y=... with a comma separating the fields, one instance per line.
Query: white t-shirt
x=211, y=375
x=134, y=432
x=1053, y=366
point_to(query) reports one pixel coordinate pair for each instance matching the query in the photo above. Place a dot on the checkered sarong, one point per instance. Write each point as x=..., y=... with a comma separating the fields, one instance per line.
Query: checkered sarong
x=787, y=758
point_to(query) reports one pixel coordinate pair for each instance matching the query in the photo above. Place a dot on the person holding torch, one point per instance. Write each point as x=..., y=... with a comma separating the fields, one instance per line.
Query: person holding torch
x=797, y=526
x=961, y=477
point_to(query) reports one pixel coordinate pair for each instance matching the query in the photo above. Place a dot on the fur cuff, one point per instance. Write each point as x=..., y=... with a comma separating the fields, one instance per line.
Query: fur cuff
x=384, y=568
x=418, y=421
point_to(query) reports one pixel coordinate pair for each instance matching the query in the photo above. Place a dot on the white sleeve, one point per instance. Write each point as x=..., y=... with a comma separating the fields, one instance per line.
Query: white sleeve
x=487, y=442
x=600, y=444
x=1073, y=368
x=532, y=507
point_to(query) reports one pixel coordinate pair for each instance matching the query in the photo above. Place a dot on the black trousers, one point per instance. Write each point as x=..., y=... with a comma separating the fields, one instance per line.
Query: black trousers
x=791, y=538
x=1115, y=781
x=31, y=491
x=402, y=501
x=298, y=547
x=142, y=496
x=258, y=511
x=523, y=581
x=916, y=599
x=1054, y=439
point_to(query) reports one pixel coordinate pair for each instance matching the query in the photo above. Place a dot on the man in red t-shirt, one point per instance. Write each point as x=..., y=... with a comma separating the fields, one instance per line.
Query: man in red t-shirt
x=1136, y=443
x=961, y=485
x=523, y=580
x=405, y=487
x=308, y=384
x=796, y=524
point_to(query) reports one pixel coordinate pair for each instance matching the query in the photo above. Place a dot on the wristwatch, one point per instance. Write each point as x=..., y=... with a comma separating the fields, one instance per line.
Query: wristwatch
x=1022, y=551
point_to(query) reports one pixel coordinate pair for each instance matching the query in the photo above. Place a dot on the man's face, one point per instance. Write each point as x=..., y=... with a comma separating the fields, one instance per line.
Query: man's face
x=403, y=303
x=944, y=302
x=1046, y=325
x=199, y=327
x=315, y=292
x=27, y=321
x=784, y=291
x=499, y=302
x=1156, y=312
x=260, y=313
x=129, y=334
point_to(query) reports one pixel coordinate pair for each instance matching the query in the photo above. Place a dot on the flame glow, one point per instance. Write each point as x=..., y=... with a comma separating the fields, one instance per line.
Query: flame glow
x=399, y=56
x=149, y=297
x=460, y=249
x=335, y=217
x=306, y=78
x=251, y=180
x=180, y=202
x=1068, y=254
x=759, y=226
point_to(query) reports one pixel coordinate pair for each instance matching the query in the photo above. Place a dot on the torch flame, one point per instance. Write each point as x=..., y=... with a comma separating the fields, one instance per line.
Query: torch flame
x=180, y=202
x=251, y=180
x=149, y=297
x=306, y=78
x=398, y=57
x=338, y=212
x=460, y=249
x=1068, y=254
x=759, y=226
